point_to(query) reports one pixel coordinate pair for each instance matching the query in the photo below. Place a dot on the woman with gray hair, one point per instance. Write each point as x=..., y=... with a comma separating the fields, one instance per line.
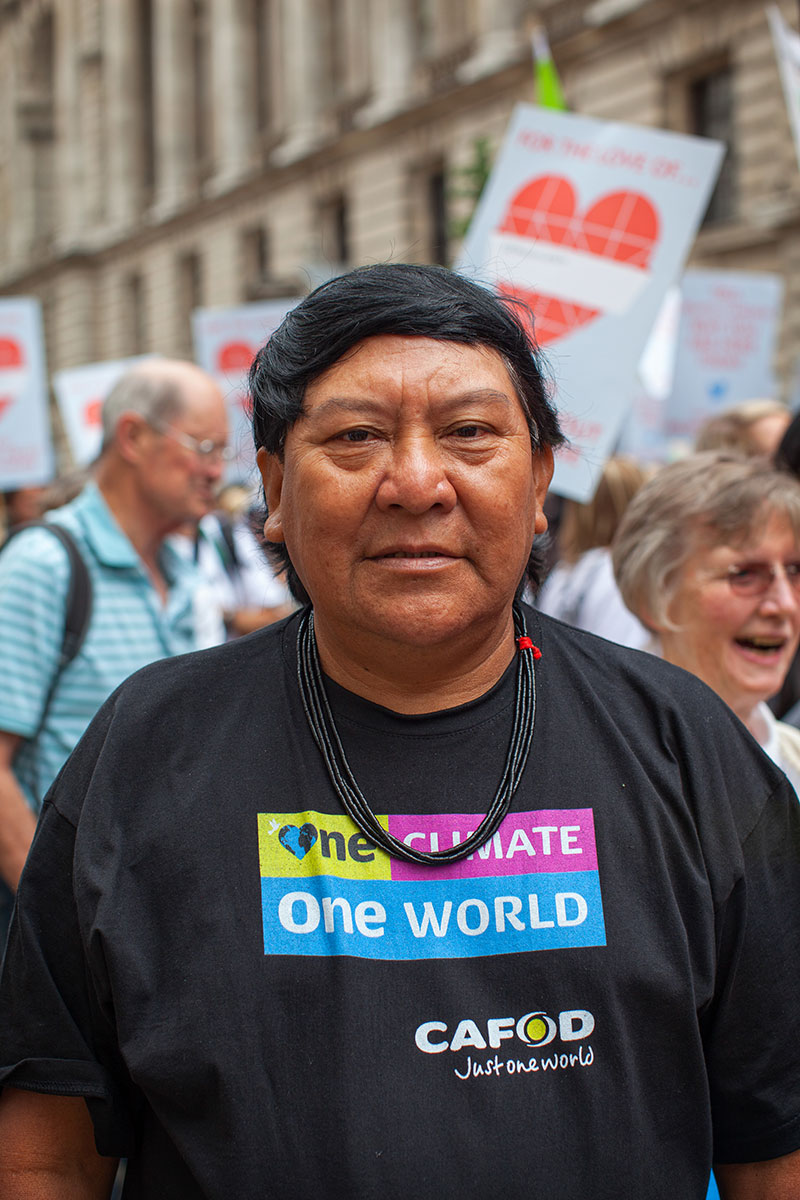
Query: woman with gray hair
x=708, y=558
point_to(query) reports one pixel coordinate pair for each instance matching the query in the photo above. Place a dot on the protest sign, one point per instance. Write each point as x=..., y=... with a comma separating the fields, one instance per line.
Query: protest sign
x=787, y=52
x=26, y=447
x=80, y=392
x=226, y=341
x=589, y=222
x=642, y=435
x=726, y=342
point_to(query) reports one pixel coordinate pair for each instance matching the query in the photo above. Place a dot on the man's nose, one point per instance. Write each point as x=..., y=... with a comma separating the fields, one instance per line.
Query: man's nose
x=415, y=477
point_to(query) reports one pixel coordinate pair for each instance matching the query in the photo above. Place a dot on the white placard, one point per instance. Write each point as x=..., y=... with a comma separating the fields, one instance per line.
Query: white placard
x=642, y=434
x=80, y=393
x=726, y=344
x=590, y=222
x=26, y=445
x=226, y=341
x=787, y=52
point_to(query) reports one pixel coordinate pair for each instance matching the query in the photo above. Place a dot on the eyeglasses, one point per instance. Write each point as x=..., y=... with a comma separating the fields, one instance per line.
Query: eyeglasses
x=207, y=448
x=754, y=579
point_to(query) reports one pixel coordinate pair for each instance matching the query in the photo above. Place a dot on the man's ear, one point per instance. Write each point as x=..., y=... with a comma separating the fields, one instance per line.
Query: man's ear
x=543, y=465
x=271, y=468
x=130, y=435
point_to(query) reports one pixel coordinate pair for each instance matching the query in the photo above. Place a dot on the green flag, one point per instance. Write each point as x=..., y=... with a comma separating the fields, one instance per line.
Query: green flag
x=548, y=85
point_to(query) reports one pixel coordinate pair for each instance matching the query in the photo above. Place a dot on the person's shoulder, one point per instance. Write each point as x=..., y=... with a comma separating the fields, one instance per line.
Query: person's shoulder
x=789, y=741
x=35, y=554
x=621, y=676
x=598, y=652
x=228, y=668
x=663, y=713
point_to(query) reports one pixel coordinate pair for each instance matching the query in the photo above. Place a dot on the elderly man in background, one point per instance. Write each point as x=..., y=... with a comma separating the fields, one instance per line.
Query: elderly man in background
x=416, y=893
x=164, y=435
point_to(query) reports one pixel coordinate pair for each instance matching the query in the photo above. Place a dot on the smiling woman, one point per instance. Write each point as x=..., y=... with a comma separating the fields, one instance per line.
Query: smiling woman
x=708, y=558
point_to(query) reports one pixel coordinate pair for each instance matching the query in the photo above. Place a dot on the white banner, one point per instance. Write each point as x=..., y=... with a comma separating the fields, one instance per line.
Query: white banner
x=80, y=393
x=787, y=51
x=226, y=341
x=26, y=446
x=590, y=223
x=726, y=344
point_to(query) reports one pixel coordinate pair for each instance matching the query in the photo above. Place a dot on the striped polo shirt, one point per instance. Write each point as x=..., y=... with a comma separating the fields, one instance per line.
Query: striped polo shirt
x=129, y=627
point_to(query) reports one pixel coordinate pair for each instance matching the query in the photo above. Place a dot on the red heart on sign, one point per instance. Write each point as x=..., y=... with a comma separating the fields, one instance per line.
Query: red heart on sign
x=621, y=227
x=5, y=402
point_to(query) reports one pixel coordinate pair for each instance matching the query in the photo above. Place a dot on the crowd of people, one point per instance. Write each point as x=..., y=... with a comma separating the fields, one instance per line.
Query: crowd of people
x=416, y=890
x=154, y=566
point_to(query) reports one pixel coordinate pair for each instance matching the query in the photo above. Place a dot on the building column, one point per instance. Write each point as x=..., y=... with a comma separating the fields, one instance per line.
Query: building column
x=392, y=57
x=172, y=107
x=498, y=43
x=300, y=81
x=121, y=39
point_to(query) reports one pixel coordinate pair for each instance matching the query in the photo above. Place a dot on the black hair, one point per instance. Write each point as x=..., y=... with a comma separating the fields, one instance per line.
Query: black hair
x=403, y=299
x=787, y=456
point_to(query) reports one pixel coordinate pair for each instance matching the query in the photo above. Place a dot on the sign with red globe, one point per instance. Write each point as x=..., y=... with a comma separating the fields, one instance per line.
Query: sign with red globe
x=589, y=223
x=26, y=447
x=226, y=341
x=606, y=251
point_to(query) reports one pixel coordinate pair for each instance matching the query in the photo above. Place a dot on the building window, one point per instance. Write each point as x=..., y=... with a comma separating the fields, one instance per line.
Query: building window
x=429, y=213
x=145, y=98
x=331, y=35
x=711, y=115
x=35, y=110
x=442, y=30
x=202, y=113
x=190, y=296
x=262, y=80
x=334, y=232
x=424, y=28
x=437, y=217
x=256, y=263
x=136, y=337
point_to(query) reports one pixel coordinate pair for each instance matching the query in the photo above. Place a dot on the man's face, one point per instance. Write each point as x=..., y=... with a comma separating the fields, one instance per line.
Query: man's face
x=409, y=494
x=179, y=482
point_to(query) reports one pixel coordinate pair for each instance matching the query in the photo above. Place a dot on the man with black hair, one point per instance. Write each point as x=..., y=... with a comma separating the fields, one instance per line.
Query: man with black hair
x=416, y=893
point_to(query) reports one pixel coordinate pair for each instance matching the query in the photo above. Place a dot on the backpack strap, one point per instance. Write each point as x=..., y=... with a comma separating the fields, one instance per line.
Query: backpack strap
x=78, y=607
x=78, y=611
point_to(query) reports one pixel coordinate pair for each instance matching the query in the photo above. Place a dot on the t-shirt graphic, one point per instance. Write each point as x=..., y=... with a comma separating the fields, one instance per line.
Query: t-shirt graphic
x=327, y=890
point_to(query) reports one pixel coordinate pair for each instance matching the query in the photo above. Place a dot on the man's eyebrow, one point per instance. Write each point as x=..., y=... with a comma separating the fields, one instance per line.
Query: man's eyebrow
x=366, y=405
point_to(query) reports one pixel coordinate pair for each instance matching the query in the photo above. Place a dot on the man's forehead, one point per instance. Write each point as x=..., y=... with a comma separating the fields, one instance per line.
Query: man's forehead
x=393, y=362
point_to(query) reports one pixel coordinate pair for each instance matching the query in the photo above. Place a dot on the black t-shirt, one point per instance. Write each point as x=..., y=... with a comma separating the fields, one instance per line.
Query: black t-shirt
x=257, y=1002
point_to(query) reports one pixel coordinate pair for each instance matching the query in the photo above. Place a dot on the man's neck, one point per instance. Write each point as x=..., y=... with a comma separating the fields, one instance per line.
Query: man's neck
x=145, y=534
x=419, y=679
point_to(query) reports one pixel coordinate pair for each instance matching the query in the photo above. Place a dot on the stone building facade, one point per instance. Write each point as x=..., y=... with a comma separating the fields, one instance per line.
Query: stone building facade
x=158, y=155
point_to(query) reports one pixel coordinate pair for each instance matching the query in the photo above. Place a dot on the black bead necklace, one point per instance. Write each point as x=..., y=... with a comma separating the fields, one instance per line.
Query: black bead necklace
x=323, y=730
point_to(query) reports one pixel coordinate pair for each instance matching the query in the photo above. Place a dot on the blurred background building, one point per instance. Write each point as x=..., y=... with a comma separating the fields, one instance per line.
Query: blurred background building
x=160, y=155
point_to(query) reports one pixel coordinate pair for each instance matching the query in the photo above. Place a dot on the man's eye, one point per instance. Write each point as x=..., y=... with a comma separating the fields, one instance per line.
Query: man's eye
x=468, y=431
x=355, y=435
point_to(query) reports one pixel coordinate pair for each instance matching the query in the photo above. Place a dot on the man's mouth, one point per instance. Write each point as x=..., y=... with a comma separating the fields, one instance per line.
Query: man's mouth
x=415, y=554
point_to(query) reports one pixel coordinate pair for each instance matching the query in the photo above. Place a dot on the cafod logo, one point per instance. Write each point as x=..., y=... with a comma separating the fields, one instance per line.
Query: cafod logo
x=534, y=1029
